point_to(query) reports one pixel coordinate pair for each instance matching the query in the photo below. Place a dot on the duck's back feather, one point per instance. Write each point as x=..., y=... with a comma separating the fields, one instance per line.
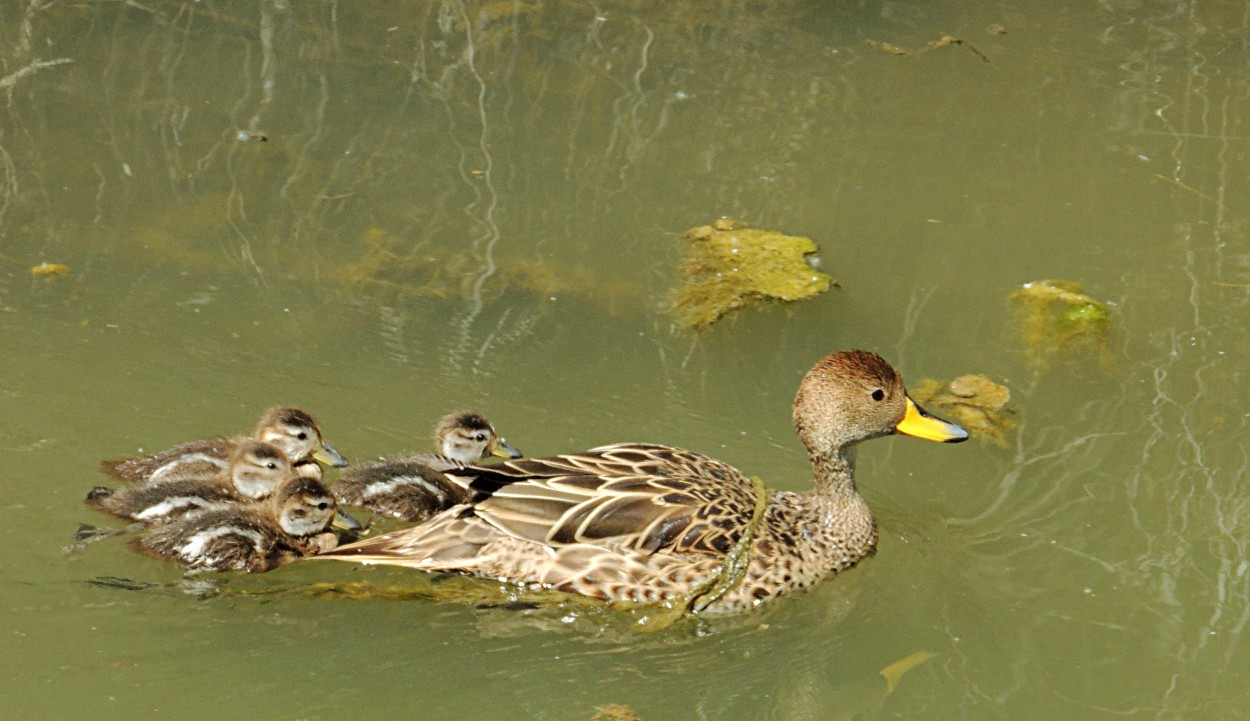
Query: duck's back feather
x=613, y=522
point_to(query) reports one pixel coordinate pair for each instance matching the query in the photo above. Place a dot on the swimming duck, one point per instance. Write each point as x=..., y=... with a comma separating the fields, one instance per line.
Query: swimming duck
x=413, y=488
x=255, y=469
x=290, y=429
x=642, y=522
x=255, y=537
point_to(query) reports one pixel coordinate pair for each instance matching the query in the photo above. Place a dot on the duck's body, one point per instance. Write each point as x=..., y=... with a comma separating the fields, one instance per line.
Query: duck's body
x=251, y=538
x=414, y=487
x=255, y=469
x=290, y=429
x=637, y=522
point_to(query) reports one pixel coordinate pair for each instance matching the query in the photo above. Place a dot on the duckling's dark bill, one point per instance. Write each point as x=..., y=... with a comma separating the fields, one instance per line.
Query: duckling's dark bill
x=344, y=521
x=504, y=449
x=917, y=422
x=330, y=457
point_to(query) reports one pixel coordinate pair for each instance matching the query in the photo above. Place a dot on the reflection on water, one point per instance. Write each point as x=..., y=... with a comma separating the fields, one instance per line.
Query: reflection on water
x=387, y=213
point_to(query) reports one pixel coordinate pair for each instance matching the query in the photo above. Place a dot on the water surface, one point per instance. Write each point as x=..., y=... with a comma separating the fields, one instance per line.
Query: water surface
x=384, y=212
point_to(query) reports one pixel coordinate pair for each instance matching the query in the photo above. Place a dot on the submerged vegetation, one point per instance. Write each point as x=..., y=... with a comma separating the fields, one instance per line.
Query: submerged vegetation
x=425, y=271
x=895, y=671
x=728, y=264
x=974, y=401
x=1058, y=320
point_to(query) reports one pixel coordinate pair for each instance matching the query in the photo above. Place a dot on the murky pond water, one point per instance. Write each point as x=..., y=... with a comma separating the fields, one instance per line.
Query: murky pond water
x=383, y=212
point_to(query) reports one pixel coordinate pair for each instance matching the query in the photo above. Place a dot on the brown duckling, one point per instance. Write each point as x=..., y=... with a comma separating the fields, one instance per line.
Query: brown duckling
x=255, y=469
x=290, y=429
x=413, y=488
x=253, y=537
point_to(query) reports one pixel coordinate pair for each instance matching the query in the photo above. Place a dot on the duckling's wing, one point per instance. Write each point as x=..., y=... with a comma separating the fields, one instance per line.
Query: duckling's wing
x=161, y=502
x=236, y=539
x=409, y=488
x=195, y=458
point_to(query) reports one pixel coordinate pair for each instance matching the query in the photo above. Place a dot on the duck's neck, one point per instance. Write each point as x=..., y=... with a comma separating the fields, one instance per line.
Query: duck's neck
x=846, y=524
x=833, y=475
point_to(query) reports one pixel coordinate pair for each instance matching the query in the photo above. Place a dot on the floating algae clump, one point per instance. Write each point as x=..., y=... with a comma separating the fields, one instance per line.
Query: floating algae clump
x=1056, y=318
x=729, y=263
x=974, y=401
x=615, y=712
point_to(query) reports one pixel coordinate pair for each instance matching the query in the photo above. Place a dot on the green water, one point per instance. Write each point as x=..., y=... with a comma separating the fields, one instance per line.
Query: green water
x=528, y=168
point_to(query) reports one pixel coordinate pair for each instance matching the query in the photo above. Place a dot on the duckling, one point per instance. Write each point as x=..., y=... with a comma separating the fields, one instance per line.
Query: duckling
x=413, y=488
x=254, y=538
x=290, y=429
x=255, y=469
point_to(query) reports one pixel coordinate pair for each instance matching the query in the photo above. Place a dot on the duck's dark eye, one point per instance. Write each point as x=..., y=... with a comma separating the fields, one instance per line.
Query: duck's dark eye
x=302, y=435
x=878, y=394
x=271, y=465
x=322, y=506
x=480, y=437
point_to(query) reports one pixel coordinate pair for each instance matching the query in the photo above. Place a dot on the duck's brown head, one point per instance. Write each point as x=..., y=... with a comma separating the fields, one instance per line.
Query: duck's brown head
x=855, y=395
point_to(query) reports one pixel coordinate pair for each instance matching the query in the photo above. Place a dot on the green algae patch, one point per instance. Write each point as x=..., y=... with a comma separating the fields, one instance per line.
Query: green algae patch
x=729, y=264
x=973, y=401
x=1057, y=320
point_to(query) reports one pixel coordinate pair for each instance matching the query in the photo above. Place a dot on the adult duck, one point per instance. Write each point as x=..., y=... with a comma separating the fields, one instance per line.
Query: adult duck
x=650, y=523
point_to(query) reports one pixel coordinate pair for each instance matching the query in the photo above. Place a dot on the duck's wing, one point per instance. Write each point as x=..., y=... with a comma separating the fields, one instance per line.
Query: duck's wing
x=195, y=458
x=628, y=499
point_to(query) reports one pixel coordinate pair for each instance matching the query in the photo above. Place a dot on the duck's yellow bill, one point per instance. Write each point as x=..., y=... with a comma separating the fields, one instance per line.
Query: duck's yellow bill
x=917, y=422
x=330, y=457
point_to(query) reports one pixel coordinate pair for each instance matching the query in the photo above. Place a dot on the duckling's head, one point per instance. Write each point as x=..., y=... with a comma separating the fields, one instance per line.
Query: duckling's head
x=298, y=435
x=851, y=396
x=467, y=436
x=303, y=506
x=257, y=468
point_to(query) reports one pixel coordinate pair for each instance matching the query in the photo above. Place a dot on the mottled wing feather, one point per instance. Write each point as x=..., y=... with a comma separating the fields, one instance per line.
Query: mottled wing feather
x=629, y=496
x=652, y=519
